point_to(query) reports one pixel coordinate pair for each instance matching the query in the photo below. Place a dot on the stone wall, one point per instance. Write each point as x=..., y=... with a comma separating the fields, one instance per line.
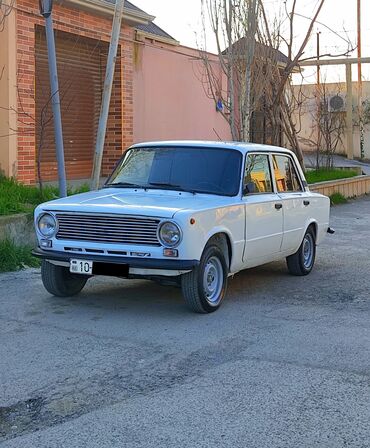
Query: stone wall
x=18, y=228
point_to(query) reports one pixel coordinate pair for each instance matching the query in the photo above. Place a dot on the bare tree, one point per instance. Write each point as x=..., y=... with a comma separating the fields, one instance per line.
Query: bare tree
x=280, y=104
x=331, y=128
x=250, y=49
x=234, y=26
x=328, y=126
x=5, y=10
x=250, y=40
x=35, y=125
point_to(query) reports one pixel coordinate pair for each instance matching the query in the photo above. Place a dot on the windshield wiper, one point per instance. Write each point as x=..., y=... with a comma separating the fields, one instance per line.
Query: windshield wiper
x=125, y=185
x=170, y=186
x=153, y=185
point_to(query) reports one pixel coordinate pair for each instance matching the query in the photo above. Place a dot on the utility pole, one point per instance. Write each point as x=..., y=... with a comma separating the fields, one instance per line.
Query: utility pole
x=359, y=68
x=359, y=80
x=46, y=7
x=107, y=91
x=318, y=101
x=349, y=119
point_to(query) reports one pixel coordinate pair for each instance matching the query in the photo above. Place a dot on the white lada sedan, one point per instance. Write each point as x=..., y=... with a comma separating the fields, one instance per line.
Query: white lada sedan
x=190, y=213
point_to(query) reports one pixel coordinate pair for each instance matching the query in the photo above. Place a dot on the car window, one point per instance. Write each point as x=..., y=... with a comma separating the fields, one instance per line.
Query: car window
x=286, y=176
x=137, y=166
x=199, y=169
x=257, y=172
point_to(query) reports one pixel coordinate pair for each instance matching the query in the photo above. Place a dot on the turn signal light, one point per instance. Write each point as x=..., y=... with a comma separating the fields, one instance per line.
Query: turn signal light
x=46, y=243
x=170, y=253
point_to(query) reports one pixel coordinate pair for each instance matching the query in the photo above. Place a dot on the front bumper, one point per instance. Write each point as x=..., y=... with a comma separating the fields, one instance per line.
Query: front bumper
x=132, y=262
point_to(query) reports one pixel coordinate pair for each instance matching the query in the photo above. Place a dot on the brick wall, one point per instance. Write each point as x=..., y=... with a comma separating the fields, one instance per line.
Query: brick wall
x=81, y=23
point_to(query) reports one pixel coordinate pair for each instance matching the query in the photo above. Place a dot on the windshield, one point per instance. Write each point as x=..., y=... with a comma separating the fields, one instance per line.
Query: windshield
x=197, y=170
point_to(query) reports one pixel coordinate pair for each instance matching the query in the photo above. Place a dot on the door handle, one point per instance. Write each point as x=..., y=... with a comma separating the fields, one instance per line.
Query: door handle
x=278, y=206
x=306, y=203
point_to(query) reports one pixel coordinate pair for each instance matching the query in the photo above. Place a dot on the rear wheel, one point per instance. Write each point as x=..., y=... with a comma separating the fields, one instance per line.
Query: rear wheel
x=301, y=263
x=205, y=286
x=59, y=282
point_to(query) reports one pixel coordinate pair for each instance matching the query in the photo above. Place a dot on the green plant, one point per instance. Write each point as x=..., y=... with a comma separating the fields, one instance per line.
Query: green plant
x=337, y=198
x=14, y=258
x=84, y=188
x=324, y=174
x=18, y=198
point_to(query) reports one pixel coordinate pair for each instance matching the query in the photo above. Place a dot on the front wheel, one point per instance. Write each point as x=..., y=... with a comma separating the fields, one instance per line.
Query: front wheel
x=301, y=263
x=59, y=282
x=205, y=286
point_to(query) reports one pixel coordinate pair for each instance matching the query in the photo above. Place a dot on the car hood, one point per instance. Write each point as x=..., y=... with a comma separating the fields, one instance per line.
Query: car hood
x=160, y=203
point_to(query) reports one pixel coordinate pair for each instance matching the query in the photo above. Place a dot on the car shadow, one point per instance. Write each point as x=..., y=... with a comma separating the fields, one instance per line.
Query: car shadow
x=112, y=295
x=117, y=296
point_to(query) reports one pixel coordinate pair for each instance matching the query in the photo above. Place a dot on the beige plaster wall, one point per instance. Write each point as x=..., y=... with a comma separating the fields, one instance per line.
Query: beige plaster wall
x=169, y=98
x=306, y=118
x=8, y=97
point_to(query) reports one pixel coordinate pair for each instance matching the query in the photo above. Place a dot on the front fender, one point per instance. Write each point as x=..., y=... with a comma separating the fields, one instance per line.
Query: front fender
x=229, y=220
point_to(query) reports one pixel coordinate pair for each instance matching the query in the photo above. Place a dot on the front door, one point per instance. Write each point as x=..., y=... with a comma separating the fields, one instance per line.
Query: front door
x=263, y=212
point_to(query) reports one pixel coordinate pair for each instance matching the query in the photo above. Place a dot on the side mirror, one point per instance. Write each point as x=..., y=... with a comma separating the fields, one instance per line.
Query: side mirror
x=249, y=188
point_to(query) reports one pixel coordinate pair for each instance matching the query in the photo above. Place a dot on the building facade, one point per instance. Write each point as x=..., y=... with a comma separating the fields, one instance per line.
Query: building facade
x=329, y=126
x=157, y=91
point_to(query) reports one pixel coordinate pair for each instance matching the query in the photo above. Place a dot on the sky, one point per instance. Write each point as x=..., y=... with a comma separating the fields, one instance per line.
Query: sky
x=182, y=20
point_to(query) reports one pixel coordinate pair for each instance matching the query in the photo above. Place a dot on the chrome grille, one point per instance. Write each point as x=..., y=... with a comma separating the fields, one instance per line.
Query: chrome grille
x=108, y=229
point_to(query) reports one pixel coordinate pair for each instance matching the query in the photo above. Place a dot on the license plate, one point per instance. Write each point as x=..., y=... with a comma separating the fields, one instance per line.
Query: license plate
x=81, y=267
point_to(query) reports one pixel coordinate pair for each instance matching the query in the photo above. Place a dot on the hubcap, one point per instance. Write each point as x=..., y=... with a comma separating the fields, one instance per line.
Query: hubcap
x=213, y=280
x=308, y=250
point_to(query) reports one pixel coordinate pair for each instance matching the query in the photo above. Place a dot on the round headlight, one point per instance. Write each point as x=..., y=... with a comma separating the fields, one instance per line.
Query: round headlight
x=47, y=225
x=169, y=234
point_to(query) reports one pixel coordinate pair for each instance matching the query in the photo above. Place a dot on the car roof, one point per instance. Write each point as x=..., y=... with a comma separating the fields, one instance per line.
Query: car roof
x=240, y=146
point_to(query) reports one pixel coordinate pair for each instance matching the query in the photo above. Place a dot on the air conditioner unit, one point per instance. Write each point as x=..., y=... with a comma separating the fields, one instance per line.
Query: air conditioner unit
x=337, y=103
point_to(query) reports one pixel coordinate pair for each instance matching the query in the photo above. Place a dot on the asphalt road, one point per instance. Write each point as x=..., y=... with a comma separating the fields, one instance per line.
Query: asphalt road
x=284, y=363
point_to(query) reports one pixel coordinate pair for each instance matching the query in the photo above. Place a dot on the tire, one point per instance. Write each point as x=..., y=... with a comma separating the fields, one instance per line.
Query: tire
x=301, y=263
x=59, y=282
x=205, y=286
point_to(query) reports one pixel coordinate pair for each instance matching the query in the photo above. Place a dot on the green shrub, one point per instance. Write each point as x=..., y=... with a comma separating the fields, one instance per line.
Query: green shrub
x=14, y=258
x=337, y=198
x=18, y=198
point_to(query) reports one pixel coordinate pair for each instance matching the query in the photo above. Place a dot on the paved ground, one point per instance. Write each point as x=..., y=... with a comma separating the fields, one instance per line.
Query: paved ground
x=284, y=363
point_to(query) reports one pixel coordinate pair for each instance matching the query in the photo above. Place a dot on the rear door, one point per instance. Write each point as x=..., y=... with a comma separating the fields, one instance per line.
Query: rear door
x=264, y=214
x=294, y=199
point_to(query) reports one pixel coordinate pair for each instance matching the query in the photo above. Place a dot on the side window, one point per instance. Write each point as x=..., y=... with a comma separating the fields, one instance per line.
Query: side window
x=257, y=175
x=285, y=174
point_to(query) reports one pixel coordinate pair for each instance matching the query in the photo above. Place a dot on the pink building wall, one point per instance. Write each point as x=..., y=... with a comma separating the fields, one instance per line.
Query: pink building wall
x=169, y=98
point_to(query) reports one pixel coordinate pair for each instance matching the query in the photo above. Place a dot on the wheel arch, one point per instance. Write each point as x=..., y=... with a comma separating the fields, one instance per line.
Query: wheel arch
x=225, y=239
x=313, y=224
